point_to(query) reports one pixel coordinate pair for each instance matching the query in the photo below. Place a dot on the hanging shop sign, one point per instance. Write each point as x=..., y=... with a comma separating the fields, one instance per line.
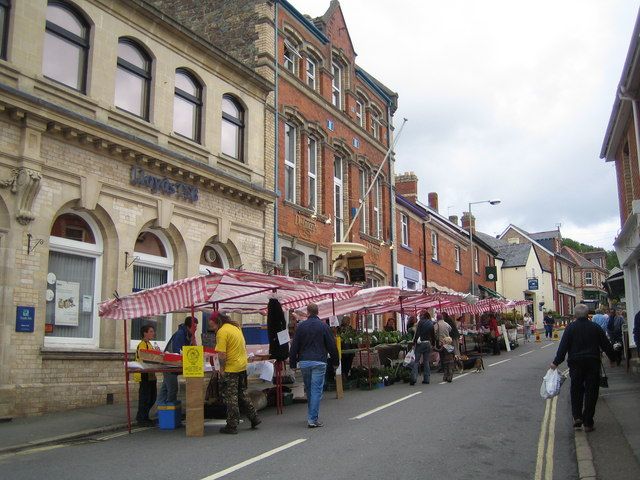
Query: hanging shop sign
x=140, y=177
x=532, y=283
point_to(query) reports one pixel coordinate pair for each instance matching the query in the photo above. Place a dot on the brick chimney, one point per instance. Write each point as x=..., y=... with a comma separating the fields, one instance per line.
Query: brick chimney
x=453, y=219
x=433, y=200
x=407, y=186
x=468, y=222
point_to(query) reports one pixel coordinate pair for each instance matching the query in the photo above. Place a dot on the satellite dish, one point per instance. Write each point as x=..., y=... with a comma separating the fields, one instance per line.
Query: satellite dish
x=210, y=255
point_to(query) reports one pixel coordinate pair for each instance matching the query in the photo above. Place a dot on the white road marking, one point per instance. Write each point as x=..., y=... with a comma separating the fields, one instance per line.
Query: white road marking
x=382, y=407
x=262, y=456
x=547, y=345
x=498, y=363
x=462, y=375
x=525, y=353
x=121, y=434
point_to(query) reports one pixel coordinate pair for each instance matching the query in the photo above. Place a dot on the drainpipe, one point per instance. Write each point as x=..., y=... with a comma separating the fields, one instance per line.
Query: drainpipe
x=424, y=251
x=276, y=71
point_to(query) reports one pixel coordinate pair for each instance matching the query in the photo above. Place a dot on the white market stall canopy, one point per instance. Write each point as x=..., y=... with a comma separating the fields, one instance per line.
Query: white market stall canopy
x=226, y=290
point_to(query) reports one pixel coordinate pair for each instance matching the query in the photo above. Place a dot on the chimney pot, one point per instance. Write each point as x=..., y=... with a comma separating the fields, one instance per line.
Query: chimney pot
x=468, y=222
x=453, y=219
x=433, y=200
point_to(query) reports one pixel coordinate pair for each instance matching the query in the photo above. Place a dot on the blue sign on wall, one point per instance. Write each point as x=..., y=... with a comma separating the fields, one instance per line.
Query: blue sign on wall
x=25, y=319
x=532, y=283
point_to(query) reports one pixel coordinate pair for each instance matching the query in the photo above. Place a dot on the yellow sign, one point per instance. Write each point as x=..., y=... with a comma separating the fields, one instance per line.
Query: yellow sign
x=193, y=361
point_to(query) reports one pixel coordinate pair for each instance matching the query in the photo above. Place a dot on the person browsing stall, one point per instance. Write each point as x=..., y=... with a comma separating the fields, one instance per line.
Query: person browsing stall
x=182, y=337
x=232, y=354
x=312, y=344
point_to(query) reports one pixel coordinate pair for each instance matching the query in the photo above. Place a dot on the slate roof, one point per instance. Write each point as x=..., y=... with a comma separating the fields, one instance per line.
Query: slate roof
x=515, y=254
x=579, y=259
x=544, y=235
x=489, y=240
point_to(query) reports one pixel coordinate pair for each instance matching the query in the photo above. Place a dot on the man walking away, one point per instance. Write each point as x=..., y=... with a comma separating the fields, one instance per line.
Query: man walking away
x=232, y=354
x=583, y=341
x=614, y=330
x=312, y=344
x=423, y=340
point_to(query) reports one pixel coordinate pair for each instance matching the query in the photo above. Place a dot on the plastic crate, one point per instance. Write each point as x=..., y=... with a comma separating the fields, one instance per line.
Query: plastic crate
x=169, y=416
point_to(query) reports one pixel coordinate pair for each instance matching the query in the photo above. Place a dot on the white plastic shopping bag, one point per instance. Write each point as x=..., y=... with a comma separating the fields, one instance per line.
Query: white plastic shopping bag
x=409, y=358
x=551, y=383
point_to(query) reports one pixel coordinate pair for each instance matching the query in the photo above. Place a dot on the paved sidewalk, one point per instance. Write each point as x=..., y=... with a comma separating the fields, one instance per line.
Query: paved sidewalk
x=28, y=432
x=615, y=442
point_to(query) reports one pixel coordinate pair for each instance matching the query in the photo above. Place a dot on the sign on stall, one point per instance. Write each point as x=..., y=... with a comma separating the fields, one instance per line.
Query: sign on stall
x=193, y=361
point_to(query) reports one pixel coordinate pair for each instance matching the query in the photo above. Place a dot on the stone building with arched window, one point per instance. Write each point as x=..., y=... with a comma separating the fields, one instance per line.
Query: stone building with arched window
x=132, y=153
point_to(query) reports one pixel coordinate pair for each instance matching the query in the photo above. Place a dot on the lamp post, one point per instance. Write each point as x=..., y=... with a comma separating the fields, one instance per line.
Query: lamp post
x=473, y=263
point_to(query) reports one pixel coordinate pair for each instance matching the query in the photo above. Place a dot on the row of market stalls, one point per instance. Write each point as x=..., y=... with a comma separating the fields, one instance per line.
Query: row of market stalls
x=236, y=291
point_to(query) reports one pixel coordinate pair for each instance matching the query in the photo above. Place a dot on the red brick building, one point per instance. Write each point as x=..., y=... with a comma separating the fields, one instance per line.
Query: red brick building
x=434, y=251
x=334, y=125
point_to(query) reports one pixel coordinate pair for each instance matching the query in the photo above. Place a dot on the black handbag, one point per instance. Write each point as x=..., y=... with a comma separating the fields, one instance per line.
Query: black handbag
x=604, y=380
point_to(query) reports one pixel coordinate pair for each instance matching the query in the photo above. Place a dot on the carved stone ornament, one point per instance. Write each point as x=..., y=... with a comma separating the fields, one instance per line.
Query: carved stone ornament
x=25, y=184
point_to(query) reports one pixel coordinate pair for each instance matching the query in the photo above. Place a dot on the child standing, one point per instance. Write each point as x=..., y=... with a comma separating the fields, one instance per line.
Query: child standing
x=148, y=383
x=447, y=358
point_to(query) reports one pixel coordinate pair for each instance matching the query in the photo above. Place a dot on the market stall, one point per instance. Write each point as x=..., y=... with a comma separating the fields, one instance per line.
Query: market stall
x=229, y=290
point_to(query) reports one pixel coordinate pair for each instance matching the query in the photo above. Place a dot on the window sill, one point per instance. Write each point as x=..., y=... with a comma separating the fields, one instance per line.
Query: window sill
x=407, y=248
x=234, y=167
x=370, y=238
x=437, y=262
x=459, y=272
x=51, y=353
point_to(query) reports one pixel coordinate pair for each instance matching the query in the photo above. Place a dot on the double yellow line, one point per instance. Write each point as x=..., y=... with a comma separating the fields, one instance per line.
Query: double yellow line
x=546, y=442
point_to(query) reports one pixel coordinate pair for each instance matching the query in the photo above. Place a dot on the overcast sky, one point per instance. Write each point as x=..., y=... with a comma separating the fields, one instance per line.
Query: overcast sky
x=504, y=99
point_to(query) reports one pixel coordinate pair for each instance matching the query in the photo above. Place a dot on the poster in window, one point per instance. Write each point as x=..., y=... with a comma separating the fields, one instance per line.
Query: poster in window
x=67, y=300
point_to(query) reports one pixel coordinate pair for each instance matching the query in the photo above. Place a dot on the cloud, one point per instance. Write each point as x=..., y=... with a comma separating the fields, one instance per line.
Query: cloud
x=504, y=99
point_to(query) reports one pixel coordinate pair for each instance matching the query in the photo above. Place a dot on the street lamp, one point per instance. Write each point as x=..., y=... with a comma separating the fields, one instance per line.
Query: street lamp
x=473, y=263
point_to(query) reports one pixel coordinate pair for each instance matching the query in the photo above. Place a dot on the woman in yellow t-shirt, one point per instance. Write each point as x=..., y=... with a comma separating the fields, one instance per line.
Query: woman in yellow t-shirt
x=148, y=384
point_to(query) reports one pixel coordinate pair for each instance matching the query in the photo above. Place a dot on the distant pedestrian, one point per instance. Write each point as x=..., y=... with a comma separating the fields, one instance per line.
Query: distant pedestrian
x=232, y=354
x=636, y=332
x=148, y=383
x=312, y=346
x=494, y=333
x=583, y=341
x=614, y=330
x=423, y=340
x=600, y=319
x=526, y=327
x=548, y=322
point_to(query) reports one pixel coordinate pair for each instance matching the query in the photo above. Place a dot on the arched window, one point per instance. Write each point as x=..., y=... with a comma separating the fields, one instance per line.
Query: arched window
x=133, y=79
x=5, y=6
x=187, y=106
x=232, y=127
x=73, y=281
x=66, y=45
x=153, y=267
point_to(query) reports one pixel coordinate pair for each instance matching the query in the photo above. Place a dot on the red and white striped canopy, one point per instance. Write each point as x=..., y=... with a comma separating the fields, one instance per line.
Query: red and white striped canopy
x=368, y=300
x=482, y=306
x=226, y=290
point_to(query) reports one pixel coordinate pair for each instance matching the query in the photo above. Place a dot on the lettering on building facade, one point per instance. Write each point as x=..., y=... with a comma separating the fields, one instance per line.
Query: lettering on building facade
x=306, y=227
x=140, y=177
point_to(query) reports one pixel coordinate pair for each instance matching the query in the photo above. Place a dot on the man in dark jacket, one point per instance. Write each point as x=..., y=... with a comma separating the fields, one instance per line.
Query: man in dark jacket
x=614, y=331
x=583, y=340
x=423, y=340
x=183, y=336
x=312, y=344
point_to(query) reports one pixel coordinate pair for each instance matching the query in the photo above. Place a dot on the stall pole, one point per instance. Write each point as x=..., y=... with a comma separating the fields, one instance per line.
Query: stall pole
x=126, y=376
x=279, y=399
x=339, y=389
x=403, y=326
